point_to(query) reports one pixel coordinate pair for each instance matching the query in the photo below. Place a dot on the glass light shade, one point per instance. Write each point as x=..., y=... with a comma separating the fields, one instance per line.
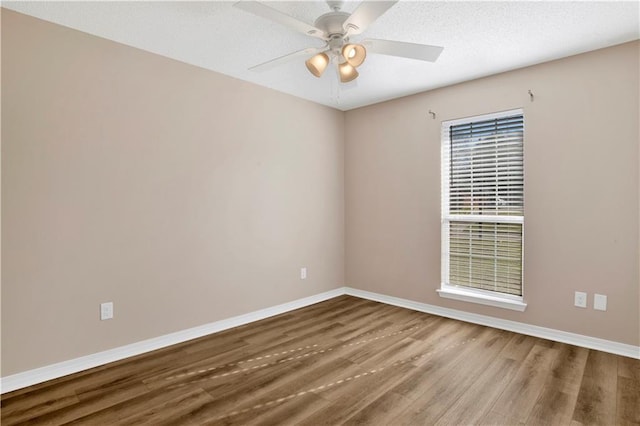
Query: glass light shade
x=317, y=64
x=347, y=72
x=354, y=54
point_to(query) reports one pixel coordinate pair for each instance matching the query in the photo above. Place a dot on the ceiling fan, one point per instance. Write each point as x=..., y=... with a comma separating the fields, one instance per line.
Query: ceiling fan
x=335, y=28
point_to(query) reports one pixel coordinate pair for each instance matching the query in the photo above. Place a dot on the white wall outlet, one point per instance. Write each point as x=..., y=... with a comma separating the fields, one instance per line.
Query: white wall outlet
x=580, y=299
x=599, y=302
x=303, y=273
x=106, y=310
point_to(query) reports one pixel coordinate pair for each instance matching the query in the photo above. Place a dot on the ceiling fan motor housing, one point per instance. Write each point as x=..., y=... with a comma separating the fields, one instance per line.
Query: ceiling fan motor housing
x=331, y=23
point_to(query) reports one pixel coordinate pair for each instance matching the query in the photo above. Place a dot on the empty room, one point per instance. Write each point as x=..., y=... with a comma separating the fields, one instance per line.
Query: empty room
x=320, y=213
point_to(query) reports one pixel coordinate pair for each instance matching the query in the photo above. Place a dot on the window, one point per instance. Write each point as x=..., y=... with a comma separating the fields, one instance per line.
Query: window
x=483, y=209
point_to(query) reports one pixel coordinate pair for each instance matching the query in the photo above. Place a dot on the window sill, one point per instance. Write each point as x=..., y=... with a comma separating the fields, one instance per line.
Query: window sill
x=490, y=300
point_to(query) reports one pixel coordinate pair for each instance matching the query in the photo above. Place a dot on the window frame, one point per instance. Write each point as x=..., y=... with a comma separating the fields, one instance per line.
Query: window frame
x=468, y=294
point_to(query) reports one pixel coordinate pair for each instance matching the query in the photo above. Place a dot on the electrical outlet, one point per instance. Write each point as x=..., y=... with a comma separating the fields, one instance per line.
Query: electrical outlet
x=580, y=299
x=106, y=310
x=303, y=273
x=599, y=302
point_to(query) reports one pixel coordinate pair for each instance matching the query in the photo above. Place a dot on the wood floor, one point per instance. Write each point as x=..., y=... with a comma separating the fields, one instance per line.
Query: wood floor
x=346, y=361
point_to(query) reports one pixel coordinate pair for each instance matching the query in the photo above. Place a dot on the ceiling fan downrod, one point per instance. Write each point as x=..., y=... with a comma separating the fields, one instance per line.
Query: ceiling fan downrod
x=335, y=5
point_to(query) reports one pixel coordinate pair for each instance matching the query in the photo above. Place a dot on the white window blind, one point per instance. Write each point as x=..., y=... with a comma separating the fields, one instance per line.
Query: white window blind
x=483, y=203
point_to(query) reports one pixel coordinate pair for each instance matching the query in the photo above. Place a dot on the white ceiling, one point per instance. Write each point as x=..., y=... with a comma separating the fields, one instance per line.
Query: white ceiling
x=479, y=39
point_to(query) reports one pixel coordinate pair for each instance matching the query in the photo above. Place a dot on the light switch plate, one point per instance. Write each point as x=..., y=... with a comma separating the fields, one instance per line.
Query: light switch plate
x=599, y=302
x=106, y=310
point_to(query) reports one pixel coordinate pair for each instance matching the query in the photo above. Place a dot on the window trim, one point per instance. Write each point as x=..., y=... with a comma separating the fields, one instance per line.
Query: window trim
x=505, y=301
x=467, y=294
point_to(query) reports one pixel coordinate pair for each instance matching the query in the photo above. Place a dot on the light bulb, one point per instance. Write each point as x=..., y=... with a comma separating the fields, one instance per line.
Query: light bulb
x=355, y=54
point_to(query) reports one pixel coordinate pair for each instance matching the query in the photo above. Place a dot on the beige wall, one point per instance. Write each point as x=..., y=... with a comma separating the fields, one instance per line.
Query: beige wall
x=581, y=189
x=181, y=195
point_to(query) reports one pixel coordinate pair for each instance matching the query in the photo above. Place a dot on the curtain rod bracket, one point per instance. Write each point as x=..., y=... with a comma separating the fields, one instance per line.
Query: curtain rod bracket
x=433, y=114
x=531, y=95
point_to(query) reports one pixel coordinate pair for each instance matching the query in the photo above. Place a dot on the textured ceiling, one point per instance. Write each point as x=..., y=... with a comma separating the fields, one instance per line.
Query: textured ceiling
x=479, y=39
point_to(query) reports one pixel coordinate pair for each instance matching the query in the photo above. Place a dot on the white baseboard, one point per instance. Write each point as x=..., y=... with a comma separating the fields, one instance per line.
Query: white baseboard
x=54, y=371
x=518, y=327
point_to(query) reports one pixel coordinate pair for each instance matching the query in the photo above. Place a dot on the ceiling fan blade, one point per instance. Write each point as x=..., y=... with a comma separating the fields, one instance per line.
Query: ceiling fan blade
x=304, y=53
x=365, y=14
x=421, y=52
x=267, y=12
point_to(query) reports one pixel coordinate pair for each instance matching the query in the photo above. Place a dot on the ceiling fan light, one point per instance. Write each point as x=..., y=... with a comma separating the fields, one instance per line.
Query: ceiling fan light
x=317, y=64
x=347, y=72
x=355, y=54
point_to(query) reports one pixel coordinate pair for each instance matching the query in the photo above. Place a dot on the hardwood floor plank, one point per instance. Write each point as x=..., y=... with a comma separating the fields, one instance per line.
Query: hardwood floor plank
x=170, y=412
x=292, y=413
x=596, y=404
x=353, y=395
x=496, y=419
x=438, y=359
x=23, y=409
x=628, y=401
x=203, y=346
x=381, y=349
x=115, y=413
x=449, y=377
x=477, y=399
x=381, y=411
x=190, y=364
x=100, y=401
x=519, y=397
x=390, y=321
x=629, y=368
x=553, y=407
x=628, y=392
x=433, y=326
x=519, y=347
x=558, y=397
